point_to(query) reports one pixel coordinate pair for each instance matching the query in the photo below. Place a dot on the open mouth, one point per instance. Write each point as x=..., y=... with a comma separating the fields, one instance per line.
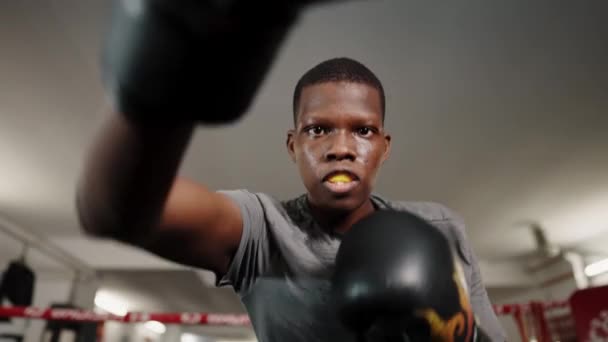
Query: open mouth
x=341, y=181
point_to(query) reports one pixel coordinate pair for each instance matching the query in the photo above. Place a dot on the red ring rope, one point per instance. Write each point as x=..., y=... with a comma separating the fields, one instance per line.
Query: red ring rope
x=185, y=317
x=132, y=317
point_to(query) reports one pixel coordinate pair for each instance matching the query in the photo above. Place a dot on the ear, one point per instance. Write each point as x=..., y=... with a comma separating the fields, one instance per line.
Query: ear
x=387, y=147
x=290, y=144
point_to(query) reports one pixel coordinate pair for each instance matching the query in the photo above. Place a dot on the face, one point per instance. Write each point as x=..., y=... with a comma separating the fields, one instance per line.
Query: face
x=339, y=143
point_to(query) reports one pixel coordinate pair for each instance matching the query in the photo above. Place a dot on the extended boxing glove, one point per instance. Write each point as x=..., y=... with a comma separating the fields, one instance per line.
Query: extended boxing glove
x=196, y=60
x=397, y=279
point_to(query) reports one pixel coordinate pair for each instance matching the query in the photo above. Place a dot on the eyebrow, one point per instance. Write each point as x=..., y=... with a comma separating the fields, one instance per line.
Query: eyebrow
x=361, y=117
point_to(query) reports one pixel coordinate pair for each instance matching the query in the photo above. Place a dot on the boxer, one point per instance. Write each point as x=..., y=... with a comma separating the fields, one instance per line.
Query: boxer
x=169, y=66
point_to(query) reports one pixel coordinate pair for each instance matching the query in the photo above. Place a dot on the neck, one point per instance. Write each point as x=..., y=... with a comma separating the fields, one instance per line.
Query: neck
x=339, y=221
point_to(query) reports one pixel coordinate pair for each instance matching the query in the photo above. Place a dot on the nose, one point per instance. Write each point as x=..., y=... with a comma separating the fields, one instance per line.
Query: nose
x=341, y=147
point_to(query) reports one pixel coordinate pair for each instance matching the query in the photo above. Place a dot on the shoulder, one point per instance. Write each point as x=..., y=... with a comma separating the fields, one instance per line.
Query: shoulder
x=269, y=207
x=430, y=211
x=439, y=215
x=248, y=198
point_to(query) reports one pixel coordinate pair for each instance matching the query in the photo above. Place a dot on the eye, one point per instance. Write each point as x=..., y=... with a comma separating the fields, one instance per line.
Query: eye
x=316, y=130
x=365, y=131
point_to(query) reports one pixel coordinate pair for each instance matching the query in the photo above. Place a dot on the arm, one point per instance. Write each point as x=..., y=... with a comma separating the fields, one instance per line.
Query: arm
x=128, y=190
x=168, y=66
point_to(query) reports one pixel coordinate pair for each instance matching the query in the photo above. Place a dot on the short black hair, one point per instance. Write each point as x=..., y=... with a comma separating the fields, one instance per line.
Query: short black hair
x=341, y=69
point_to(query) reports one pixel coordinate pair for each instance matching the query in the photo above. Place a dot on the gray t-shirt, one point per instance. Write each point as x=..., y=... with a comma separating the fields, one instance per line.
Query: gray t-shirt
x=282, y=267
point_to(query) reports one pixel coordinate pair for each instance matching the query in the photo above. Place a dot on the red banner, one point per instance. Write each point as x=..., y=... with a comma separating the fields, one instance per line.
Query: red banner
x=590, y=310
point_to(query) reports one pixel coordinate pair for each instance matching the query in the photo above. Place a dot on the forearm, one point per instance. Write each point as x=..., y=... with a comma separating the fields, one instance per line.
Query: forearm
x=127, y=175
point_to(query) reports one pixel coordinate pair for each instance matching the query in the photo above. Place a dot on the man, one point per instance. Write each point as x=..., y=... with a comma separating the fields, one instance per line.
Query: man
x=278, y=255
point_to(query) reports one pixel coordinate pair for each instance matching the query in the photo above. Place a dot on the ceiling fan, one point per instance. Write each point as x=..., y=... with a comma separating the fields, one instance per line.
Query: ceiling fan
x=547, y=253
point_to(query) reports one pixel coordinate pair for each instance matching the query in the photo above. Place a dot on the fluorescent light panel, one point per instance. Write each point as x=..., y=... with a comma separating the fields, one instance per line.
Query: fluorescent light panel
x=156, y=327
x=596, y=268
x=110, y=303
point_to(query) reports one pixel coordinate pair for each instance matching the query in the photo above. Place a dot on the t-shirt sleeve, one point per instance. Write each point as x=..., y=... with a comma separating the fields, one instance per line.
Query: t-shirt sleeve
x=253, y=254
x=479, y=297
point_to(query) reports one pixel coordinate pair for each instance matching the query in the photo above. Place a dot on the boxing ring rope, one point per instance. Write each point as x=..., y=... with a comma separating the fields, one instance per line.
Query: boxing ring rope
x=507, y=309
x=539, y=321
x=193, y=318
x=187, y=318
x=75, y=315
x=565, y=321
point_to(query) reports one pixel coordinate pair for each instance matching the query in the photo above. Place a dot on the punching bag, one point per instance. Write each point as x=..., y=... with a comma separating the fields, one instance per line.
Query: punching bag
x=18, y=284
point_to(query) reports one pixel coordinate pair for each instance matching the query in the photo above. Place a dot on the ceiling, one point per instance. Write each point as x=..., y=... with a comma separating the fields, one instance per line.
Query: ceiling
x=498, y=110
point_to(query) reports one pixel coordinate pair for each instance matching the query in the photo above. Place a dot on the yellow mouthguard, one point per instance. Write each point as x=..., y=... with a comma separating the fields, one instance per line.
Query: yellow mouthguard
x=340, y=178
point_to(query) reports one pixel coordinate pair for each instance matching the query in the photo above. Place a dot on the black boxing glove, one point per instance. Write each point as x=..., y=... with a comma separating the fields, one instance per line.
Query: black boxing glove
x=196, y=60
x=397, y=279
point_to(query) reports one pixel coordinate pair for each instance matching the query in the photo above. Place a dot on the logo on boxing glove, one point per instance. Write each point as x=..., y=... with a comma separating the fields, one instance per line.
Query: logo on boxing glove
x=458, y=327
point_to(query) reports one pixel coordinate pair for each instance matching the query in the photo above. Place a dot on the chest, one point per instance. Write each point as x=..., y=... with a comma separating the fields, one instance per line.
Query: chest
x=291, y=300
x=285, y=308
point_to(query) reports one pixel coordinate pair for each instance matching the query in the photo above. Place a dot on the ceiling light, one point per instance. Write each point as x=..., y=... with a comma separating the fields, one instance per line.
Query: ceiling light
x=596, y=268
x=110, y=303
x=156, y=327
x=187, y=337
